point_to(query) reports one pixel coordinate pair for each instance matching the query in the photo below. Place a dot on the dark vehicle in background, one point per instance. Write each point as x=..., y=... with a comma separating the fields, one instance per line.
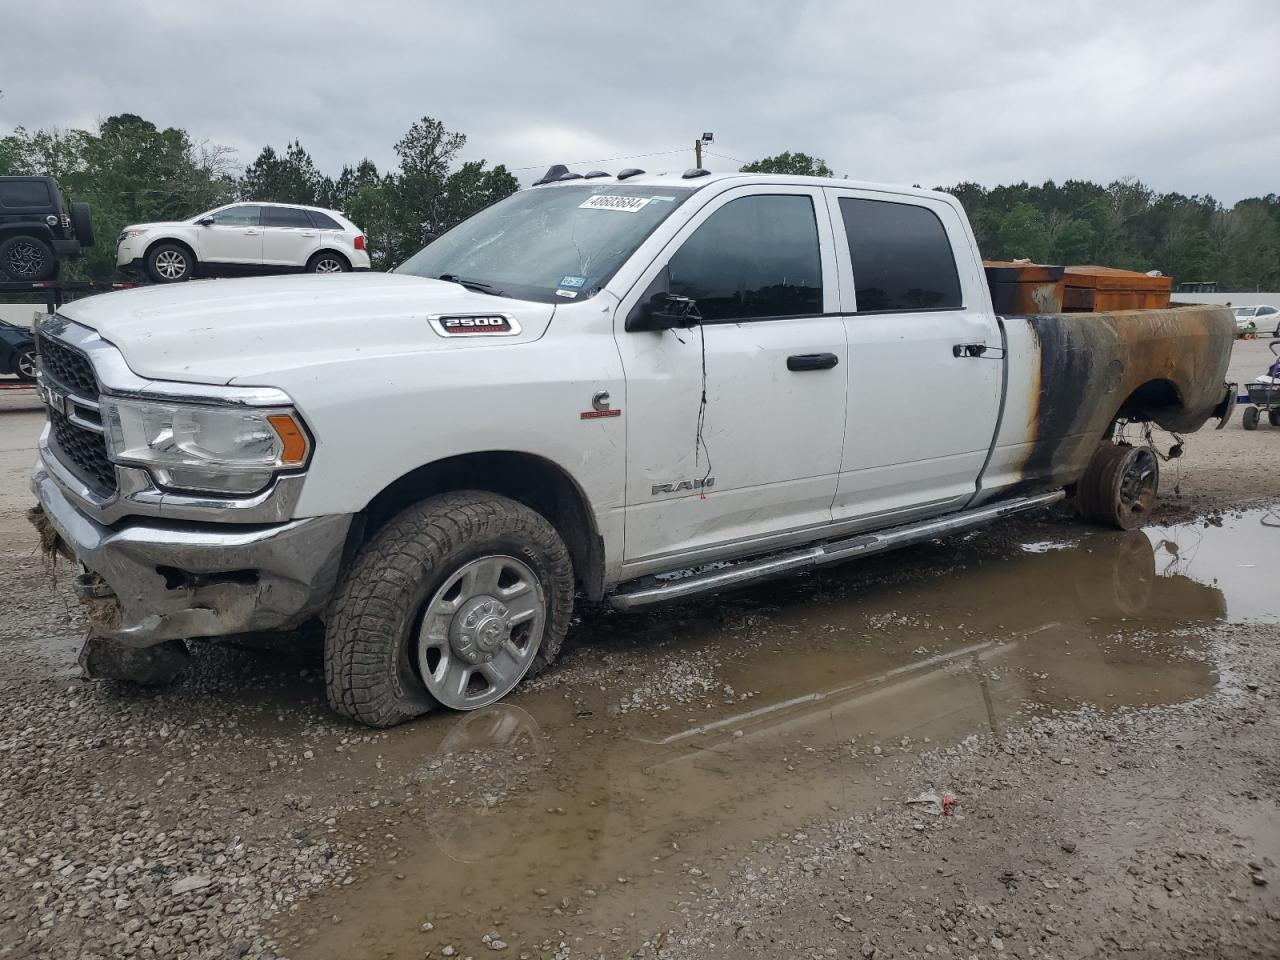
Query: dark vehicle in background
x=17, y=352
x=38, y=229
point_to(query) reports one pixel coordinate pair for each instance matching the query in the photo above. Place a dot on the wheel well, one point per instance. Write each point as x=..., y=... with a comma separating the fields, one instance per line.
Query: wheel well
x=532, y=480
x=1150, y=400
x=336, y=253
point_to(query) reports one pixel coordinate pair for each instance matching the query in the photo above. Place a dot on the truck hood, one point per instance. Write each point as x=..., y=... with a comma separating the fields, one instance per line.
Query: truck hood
x=220, y=331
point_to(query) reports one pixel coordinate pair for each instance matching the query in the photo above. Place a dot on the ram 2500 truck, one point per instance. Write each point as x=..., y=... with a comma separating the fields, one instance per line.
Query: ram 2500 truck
x=589, y=387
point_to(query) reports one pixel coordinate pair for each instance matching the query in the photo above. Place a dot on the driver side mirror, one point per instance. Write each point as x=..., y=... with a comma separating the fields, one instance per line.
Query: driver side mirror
x=659, y=309
x=205, y=222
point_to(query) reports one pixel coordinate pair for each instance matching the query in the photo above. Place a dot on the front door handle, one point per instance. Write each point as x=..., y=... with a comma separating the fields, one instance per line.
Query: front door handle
x=968, y=350
x=811, y=361
x=251, y=233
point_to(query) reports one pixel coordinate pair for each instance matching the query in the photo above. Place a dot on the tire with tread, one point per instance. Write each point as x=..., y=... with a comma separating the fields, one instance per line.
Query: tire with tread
x=1099, y=496
x=82, y=223
x=327, y=256
x=26, y=258
x=164, y=249
x=1249, y=419
x=1273, y=417
x=372, y=621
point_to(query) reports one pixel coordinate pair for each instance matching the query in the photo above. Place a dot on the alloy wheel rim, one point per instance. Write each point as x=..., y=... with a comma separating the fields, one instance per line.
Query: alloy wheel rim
x=170, y=264
x=27, y=364
x=328, y=265
x=26, y=259
x=481, y=631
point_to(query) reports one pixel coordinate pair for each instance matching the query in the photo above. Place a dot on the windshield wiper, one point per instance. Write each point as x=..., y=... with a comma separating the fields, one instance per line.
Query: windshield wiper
x=471, y=284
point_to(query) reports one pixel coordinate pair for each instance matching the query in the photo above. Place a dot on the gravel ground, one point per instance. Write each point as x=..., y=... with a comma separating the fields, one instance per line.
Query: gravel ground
x=232, y=816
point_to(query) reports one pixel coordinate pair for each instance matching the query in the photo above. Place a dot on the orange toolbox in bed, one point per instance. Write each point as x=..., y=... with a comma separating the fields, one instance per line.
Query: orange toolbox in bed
x=1104, y=289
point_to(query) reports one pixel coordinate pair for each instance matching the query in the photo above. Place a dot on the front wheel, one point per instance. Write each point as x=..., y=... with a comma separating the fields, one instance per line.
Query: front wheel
x=25, y=368
x=452, y=602
x=1119, y=486
x=1249, y=419
x=170, y=263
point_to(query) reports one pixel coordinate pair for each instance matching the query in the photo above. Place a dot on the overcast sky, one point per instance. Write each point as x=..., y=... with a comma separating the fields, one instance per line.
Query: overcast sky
x=1185, y=95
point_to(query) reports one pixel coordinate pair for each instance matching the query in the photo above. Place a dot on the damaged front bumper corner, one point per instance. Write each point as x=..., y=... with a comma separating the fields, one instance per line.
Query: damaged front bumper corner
x=151, y=581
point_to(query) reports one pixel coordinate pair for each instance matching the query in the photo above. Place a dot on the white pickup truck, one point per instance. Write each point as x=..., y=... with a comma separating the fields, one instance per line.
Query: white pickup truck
x=632, y=388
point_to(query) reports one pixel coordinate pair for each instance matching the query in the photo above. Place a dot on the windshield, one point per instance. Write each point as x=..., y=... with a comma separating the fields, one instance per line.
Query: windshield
x=1245, y=311
x=550, y=244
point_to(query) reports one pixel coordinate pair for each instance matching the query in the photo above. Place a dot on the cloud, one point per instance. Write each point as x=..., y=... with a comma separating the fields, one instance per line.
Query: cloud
x=931, y=91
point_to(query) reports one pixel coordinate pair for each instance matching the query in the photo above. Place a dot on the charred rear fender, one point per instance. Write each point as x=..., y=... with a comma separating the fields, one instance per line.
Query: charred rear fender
x=1164, y=366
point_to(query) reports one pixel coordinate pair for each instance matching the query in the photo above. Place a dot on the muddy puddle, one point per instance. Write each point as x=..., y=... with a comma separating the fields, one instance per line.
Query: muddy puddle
x=592, y=806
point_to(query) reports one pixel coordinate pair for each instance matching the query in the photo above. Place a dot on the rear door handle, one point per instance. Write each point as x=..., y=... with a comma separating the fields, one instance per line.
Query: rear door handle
x=812, y=361
x=968, y=350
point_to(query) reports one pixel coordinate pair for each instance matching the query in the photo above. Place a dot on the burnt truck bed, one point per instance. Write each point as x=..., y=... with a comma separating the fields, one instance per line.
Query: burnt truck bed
x=1070, y=376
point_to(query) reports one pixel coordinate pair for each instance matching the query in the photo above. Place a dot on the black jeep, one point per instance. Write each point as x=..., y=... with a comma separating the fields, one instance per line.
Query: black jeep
x=38, y=230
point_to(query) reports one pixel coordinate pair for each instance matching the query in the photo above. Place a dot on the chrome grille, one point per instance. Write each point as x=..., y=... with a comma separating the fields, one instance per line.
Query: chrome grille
x=75, y=434
x=84, y=453
x=70, y=368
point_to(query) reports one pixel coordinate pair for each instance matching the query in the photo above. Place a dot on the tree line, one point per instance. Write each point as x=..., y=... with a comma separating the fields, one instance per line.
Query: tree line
x=131, y=171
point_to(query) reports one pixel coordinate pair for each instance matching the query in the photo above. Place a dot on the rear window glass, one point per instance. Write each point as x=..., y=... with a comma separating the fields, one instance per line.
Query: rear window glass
x=902, y=260
x=24, y=193
x=324, y=221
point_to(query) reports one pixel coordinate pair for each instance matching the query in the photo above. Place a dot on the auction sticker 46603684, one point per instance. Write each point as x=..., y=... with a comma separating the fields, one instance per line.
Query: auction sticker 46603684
x=605, y=201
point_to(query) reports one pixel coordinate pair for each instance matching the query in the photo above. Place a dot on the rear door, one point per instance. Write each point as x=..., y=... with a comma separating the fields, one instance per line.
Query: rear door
x=924, y=394
x=235, y=236
x=289, y=236
x=758, y=459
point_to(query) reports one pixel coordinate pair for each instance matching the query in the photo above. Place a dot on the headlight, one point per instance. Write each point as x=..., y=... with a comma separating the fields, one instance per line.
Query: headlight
x=213, y=449
x=129, y=234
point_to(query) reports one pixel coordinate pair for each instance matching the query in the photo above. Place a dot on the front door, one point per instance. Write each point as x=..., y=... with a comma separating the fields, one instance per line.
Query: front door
x=925, y=358
x=735, y=427
x=235, y=236
x=288, y=236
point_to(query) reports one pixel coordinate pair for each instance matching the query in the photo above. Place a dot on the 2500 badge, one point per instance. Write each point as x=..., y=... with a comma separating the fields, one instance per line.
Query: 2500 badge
x=475, y=325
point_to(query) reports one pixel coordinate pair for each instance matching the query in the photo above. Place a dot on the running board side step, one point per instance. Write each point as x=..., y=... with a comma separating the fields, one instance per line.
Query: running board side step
x=833, y=552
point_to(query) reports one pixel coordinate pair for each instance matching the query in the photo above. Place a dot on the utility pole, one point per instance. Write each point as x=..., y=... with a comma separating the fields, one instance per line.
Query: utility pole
x=697, y=148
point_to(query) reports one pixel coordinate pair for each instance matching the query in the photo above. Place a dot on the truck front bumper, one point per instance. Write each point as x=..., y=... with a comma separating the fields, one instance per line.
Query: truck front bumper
x=150, y=581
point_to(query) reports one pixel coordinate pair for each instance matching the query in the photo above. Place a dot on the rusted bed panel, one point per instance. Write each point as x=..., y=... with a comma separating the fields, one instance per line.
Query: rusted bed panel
x=1167, y=366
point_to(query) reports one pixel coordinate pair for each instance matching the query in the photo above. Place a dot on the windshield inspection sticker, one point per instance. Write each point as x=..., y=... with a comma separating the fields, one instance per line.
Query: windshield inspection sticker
x=572, y=282
x=567, y=293
x=605, y=201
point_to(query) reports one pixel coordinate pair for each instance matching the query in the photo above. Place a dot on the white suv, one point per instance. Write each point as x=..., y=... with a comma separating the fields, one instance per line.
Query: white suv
x=244, y=238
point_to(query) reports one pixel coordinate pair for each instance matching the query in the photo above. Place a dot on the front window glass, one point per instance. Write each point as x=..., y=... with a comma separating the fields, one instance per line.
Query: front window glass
x=1245, y=311
x=550, y=244
x=238, y=217
x=754, y=257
